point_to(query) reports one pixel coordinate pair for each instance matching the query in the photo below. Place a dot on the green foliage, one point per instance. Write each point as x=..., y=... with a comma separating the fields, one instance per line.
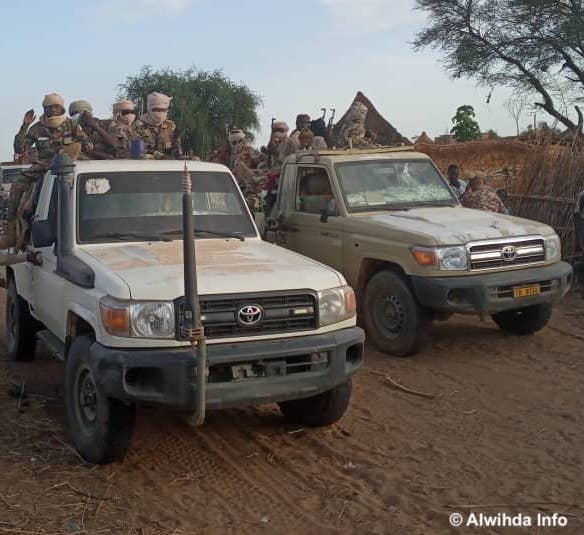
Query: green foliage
x=533, y=46
x=465, y=126
x=204, y=104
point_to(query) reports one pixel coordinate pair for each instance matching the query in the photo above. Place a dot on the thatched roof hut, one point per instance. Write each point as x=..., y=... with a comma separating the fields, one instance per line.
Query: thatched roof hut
x=386, y=133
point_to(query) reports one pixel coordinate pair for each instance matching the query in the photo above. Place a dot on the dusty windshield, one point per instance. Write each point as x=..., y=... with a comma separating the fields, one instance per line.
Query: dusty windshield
x=144, y=205
x=392, y=184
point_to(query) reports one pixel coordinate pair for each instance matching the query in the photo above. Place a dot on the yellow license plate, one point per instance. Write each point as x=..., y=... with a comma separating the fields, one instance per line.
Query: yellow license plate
x=527, y=291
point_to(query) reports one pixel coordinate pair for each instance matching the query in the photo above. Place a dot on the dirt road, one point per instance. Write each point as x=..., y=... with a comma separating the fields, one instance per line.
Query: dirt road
x=504, y=432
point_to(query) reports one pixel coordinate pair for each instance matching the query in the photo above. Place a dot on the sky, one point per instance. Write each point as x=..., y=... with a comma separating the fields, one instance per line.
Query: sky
x=298, y=56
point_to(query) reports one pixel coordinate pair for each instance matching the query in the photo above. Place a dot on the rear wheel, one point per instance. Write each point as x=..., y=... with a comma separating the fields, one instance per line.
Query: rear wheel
x=21, y=327
x=101, y=427
x=320, y=410
x=394, y=320
x=523, y=321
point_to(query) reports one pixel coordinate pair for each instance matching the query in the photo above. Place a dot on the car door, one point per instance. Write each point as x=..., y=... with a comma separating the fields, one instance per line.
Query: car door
x=306, y=233
x=47, y=287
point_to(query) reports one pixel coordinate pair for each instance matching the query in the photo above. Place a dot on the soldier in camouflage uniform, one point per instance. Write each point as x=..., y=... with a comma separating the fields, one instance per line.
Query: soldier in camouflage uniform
x=353, y=133
x=121, y=128
x=292, y=143
x=158, y=132
x=52, y=134
x=104, y=144
x=480, y=196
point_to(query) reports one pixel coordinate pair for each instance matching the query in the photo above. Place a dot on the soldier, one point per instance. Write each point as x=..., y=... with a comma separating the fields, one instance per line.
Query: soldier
x=318, y=127
x=53, y=133
x=104, y=144
x=291, y=145
x=305, y=139
x=480, y=196
x=353, y=133
x=278, y=138
x=159, y=133
x=120, y=128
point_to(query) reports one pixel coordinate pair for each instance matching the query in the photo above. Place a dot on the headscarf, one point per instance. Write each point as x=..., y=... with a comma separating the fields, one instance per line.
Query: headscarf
x=280, y=125
x=358, y=112
x=78, y=106
x=156, y=100
x=302, y=120
x=119, y=107
x=53, y=99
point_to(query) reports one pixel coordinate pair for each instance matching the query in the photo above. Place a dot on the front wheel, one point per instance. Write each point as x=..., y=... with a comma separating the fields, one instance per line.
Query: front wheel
x=394, y=320
x=523, y=321
x=101, y=427
x=320, y=410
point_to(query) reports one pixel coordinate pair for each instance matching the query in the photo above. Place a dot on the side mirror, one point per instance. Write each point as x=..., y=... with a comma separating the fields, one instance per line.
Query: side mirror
x=330, y=211
x=42, y=234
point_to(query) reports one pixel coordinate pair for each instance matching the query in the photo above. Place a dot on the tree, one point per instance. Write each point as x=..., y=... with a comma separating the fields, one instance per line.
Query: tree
x=465, y=126
x=204, y=105
x=515, y=106
x=533, y=46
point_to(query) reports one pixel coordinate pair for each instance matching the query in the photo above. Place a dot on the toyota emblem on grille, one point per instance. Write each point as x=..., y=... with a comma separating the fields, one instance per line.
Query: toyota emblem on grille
x=509, y=253
x=250, y=315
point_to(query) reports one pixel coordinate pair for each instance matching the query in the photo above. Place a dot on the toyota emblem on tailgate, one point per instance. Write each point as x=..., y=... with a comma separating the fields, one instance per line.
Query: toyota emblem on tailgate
x=250, y=315
x=509, y=252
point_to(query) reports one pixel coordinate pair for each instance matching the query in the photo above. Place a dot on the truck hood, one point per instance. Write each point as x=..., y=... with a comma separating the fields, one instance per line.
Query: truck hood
x=155, y=270
x=455, y=225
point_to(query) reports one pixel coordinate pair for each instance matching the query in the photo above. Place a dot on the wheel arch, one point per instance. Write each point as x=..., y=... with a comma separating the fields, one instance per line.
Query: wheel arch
x=79, y=322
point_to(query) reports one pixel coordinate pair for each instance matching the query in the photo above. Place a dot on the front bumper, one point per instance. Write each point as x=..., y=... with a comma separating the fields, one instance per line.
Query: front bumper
x=167, y=377
x=493, y=292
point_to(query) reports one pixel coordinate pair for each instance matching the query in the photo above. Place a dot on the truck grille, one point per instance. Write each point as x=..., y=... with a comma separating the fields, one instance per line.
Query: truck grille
x=492, y=255
x=280, y=313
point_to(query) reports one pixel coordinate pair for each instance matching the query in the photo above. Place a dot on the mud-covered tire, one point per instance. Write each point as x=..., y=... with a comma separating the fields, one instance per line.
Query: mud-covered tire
x=320, y=410
x=524, y=321
x=394, y=320
x=20, y=326
x=101, y=427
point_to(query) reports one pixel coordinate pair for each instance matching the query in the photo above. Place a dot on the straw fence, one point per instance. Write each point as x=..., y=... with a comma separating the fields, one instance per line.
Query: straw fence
x=542, y=179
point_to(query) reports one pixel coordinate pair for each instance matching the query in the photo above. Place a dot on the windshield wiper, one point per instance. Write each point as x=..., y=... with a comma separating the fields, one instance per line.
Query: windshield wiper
x=126, y=235
x=236, y=235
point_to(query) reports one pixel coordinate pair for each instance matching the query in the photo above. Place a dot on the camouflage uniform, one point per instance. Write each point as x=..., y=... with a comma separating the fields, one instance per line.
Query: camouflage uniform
x=484, y=198
x=48, y=141
x=354, y=134
x=161, y=141
x=40, y=143
x=124, y=135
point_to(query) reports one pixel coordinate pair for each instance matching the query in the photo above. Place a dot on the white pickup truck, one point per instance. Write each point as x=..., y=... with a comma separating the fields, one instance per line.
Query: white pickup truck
x=109, y=300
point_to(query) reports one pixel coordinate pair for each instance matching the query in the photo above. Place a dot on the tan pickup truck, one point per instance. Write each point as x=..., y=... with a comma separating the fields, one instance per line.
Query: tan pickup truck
x=388, y=220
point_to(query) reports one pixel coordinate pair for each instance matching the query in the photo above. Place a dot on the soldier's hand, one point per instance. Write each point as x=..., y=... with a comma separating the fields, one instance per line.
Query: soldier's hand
x=29, y=118
x=89, y=120
x=34, y=257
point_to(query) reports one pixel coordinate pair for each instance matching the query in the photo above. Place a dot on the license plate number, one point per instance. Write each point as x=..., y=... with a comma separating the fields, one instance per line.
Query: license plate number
x=243, y=371
x=527, y=291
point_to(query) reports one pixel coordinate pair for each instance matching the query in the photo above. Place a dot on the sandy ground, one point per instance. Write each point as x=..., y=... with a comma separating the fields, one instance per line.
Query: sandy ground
x=504, y=432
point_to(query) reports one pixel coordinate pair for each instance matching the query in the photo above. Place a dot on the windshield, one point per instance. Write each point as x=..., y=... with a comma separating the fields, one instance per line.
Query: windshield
x=147, y=205
x=392, y=184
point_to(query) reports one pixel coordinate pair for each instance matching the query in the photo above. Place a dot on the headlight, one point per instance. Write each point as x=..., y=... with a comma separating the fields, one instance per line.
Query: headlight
x=337, y=304
x=443, y=258
x=140, y=319
x=553, y=248
x=152, y=320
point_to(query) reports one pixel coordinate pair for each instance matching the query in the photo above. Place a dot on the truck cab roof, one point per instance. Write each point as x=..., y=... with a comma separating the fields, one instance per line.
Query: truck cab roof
x=348, y=155
x=93, y=166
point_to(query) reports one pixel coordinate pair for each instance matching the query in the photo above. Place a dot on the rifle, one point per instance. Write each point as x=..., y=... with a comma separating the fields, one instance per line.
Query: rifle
x=323, y=113
x=330, y=126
